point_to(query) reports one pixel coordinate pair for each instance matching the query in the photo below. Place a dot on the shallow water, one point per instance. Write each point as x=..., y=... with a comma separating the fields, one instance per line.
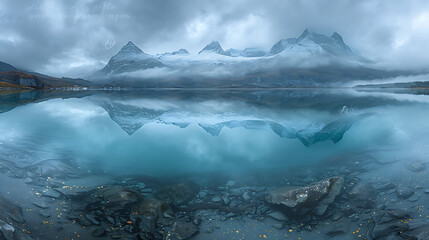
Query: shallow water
x=211, y=157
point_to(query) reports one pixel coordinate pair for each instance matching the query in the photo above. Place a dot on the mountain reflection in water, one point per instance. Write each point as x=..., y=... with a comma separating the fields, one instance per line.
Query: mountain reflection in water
x=180, y=164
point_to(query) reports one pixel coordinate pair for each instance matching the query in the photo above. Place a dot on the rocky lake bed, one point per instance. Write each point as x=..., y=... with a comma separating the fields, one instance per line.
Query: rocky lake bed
x=357, y=200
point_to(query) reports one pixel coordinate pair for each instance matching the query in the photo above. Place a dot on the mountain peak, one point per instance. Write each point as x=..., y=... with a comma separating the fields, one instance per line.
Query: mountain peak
x=215, y=47
x=128, y=51
x=130, y=58
x=282, y=45
x=130, y=48
x=340, y=42
x=337, y=37
x=214, y=44
x=312, y=42
x=180, y=52
x=313, y=36
x=304, y=34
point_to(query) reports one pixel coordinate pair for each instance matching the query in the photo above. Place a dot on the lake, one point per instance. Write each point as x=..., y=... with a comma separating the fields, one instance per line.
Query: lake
x=214, y=164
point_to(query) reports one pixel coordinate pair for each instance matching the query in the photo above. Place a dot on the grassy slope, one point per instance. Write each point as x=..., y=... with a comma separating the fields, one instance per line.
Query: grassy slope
x=7, y=80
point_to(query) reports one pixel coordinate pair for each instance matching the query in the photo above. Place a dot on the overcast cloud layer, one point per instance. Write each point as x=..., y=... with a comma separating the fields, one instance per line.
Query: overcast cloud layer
x=74, y=38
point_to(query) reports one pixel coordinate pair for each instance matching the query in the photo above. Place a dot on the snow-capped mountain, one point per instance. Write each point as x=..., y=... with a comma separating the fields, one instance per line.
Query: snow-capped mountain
x=130, y=58
x=311, y=43
x=282, y=45
x=214, y=47
x=181, y=51
x=311, y=58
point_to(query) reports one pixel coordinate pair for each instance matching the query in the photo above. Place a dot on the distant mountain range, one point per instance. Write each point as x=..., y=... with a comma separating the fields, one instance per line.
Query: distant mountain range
x=312, y=59
x=415, y=84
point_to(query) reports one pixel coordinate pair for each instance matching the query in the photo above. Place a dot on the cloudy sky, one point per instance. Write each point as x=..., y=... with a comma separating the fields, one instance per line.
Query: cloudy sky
x=74, y=38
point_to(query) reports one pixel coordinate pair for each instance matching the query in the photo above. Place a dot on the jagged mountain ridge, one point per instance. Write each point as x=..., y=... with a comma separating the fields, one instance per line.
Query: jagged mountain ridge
x=310, y=60
x=131, y=58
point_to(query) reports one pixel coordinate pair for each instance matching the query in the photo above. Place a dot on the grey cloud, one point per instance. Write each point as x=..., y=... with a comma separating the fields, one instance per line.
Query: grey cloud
x=74, y=38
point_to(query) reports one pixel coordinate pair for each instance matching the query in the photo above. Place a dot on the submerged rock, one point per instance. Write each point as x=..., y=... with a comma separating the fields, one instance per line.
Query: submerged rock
x=279, y=216
x=246, y=196
x=216, y=199
x=390, y=223
x=122, y=208
x=53, y=168
x=51, y=193
x=420, y=232
x=181, y=230
x=363, y=196
x=414, y=198
x=380, y=187
x=278, y=226
x=10, y=211
x=149, y=211
x=28, y=180
x=316, y=197
x=226, y=200
x=416, y=166
x=99, y=232
x=179, y=193
x=11, y=220
x=202, y=194
x=6, y=231
x=117, y=198
x=230, y=183
x=41, y=205
x=404, y=192
x=92, y=219
x=336, y=233
x=71, y=191
x=336, y=217
x=45, y=214
x=146, y=190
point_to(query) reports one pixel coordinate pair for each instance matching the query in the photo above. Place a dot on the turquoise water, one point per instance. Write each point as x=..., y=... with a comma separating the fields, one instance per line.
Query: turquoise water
x=264, y=138
x=173, y=132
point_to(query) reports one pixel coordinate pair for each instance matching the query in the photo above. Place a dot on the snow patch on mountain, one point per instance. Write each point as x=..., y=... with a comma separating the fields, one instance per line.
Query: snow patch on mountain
x=130, y=58
x=213, y=47
x=310, y=49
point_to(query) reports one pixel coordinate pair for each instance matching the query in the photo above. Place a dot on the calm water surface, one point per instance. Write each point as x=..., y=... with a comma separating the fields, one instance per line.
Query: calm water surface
x=219, y=144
